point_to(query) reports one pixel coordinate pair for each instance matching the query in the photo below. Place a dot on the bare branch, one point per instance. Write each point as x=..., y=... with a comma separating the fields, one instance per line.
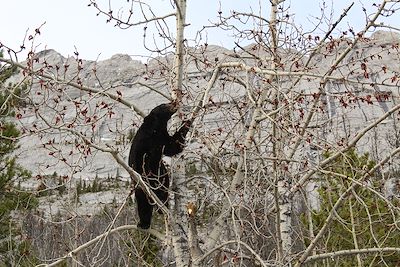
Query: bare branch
x=350, y=252
x=93, y=241
x=75, y=85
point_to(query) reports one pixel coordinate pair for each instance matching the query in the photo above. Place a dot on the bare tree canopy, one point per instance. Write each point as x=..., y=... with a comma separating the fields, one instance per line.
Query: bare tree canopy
x=292, y=158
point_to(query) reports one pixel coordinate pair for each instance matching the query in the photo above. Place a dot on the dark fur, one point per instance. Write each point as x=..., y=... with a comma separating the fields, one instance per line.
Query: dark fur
x=149, y=144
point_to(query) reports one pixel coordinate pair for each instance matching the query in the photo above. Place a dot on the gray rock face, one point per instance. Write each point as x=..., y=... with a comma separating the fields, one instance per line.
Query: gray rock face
x=132, y=80
x=386, y=37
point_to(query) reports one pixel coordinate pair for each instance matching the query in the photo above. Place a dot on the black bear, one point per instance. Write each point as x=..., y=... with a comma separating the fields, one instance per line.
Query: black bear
x=149, y=144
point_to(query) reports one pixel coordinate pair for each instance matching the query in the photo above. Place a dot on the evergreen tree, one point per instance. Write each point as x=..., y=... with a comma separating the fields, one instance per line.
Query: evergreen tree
x=11, y=252
x=364, y=219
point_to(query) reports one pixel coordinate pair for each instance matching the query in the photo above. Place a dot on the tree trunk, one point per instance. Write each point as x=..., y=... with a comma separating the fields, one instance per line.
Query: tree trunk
x=179, y=222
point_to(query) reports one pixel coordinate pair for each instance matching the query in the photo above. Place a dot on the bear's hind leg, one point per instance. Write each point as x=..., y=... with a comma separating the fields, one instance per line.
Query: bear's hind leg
x=145, y=209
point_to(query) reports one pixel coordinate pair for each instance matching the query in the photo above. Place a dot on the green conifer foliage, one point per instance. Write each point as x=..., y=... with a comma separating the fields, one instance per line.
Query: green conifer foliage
x=12, y=252
x=365, y=220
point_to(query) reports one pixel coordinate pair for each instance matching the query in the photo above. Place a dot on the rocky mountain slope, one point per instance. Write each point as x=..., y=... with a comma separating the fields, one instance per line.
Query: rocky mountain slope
x=131, y=80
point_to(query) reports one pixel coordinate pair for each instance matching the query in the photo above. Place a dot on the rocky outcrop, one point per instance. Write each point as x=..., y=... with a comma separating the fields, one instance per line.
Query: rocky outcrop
x=123, y=75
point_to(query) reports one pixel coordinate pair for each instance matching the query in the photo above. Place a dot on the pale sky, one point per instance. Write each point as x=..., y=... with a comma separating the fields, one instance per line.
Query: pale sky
x=71, y=23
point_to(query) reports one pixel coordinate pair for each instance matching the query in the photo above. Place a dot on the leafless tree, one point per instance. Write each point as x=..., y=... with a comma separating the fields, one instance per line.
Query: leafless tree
x=274, y=172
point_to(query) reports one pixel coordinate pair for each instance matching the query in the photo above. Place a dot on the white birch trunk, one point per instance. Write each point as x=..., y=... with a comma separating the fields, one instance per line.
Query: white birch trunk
x=284, y=197
x=285, y=217
x=178, y=220
x=285, y=207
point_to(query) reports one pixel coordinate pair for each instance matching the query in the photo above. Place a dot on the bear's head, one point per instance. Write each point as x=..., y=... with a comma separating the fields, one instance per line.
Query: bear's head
x=164, y=110
x=162, y=113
